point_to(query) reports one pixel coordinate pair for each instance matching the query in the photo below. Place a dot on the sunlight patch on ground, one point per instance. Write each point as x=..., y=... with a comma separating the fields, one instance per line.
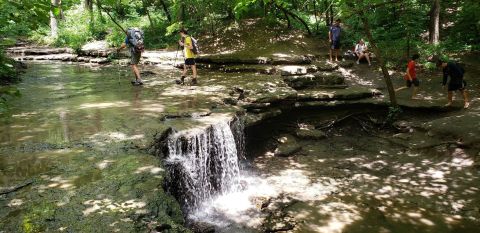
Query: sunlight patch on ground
x=117, y=104
x=104, y=164
x=149, y=106
x=57, y=182
x=150, y=169
x=178, y=90
x=340, y=216
x=107, y=205
x=15, y=202
x=353, y=77
x=107, y=137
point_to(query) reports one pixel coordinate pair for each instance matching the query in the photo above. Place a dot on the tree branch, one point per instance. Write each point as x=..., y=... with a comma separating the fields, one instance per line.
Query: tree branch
x=103, y=9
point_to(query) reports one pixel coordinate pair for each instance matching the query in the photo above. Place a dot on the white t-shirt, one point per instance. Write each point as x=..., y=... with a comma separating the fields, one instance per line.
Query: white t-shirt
x=360, y=48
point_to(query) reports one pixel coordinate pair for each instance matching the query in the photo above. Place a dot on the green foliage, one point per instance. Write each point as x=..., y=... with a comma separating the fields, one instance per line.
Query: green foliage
x=398, y=28
x=20, y=17
x=6, y=94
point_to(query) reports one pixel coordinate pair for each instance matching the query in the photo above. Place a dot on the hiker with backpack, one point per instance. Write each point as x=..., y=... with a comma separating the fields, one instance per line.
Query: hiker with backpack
x=134, y=41
x=456, y=83
x=190, y=49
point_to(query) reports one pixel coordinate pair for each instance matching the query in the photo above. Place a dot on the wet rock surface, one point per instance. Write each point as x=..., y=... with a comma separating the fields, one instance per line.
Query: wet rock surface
x=202, y=227
x=287, y=146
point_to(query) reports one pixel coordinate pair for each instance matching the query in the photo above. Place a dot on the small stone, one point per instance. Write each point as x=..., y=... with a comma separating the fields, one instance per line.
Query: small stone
x=261, y=202
x=403, y=136
x=230, y=101
x=310, y=134
x=202, y=227
x=288, y=146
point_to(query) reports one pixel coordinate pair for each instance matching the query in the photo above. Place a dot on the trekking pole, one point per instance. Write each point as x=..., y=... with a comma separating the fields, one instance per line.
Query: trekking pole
x=175, y=61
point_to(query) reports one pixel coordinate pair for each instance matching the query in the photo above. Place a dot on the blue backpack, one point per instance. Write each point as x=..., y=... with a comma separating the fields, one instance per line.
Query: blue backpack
x=136, y=37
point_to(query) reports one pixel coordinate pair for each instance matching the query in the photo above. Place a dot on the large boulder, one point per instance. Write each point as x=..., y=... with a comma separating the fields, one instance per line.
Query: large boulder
x=96, y=49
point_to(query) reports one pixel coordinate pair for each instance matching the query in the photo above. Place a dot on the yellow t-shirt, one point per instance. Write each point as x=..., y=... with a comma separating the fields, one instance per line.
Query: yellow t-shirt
x=186, y=51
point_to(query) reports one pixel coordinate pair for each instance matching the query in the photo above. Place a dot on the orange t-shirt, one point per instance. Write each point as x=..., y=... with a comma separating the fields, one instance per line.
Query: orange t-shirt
x=411, y=70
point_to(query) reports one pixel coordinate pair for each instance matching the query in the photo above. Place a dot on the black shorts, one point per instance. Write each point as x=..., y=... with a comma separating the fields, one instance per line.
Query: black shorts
x=415, y=82
x=190, y=61
x=335, y=44
x=457, y=86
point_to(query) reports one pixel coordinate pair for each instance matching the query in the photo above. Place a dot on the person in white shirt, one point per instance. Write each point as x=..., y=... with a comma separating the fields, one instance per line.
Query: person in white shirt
x=361, y=51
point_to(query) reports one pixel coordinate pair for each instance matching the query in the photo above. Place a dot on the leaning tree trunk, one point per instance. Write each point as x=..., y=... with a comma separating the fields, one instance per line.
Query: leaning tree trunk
x=88, y=5
x=434, y=28
x=54, y=13
x=376, y=50
x=327, y=14
x=165, y=9
x=145, y=7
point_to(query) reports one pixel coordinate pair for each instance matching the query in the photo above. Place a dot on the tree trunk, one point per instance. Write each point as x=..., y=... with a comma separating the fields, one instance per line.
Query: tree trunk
x=331, y=13
x=88, y=5
x=434, y=29
x=376, y=50
x=165, y=9
x=54, y=17
x=327, y=13
x=315, y=12
x=145, y=7
x=287, y=12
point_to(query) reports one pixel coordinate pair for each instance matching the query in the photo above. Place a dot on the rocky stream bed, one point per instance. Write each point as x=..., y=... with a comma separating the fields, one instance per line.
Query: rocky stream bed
x=83, y=151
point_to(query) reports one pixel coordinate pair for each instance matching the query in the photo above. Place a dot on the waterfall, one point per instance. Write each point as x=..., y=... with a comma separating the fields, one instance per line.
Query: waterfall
x=204, y=163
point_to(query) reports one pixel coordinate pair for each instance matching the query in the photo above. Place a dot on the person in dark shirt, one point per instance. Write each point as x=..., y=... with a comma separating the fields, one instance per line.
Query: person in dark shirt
x=334, y=38
x=456, y=82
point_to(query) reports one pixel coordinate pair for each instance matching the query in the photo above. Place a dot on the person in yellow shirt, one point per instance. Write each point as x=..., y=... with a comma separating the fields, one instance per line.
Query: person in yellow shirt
x=186, y=43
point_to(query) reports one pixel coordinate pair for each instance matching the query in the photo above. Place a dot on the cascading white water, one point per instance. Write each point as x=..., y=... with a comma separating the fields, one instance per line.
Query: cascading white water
x=203, y=163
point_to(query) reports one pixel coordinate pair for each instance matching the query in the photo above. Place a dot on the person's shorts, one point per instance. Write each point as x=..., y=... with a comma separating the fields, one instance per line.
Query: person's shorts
x=415, y=82
x=135, y=58
x=335, y=44
x=457, y=86
x=190, y=61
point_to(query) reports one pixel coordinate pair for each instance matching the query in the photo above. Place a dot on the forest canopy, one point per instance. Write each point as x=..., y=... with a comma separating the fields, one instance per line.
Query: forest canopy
x=398, y=26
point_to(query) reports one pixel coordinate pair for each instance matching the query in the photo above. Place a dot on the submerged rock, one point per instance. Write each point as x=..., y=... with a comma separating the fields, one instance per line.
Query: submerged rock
x=261, y=202
x=313, y=134
x=288, y=146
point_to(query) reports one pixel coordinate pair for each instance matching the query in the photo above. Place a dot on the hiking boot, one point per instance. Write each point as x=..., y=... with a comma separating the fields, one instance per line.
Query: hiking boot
x=137, y=82
x=194, y=82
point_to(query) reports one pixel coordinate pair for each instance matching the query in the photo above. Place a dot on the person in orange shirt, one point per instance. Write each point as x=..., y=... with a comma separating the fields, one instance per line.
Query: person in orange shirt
x=411, y=76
